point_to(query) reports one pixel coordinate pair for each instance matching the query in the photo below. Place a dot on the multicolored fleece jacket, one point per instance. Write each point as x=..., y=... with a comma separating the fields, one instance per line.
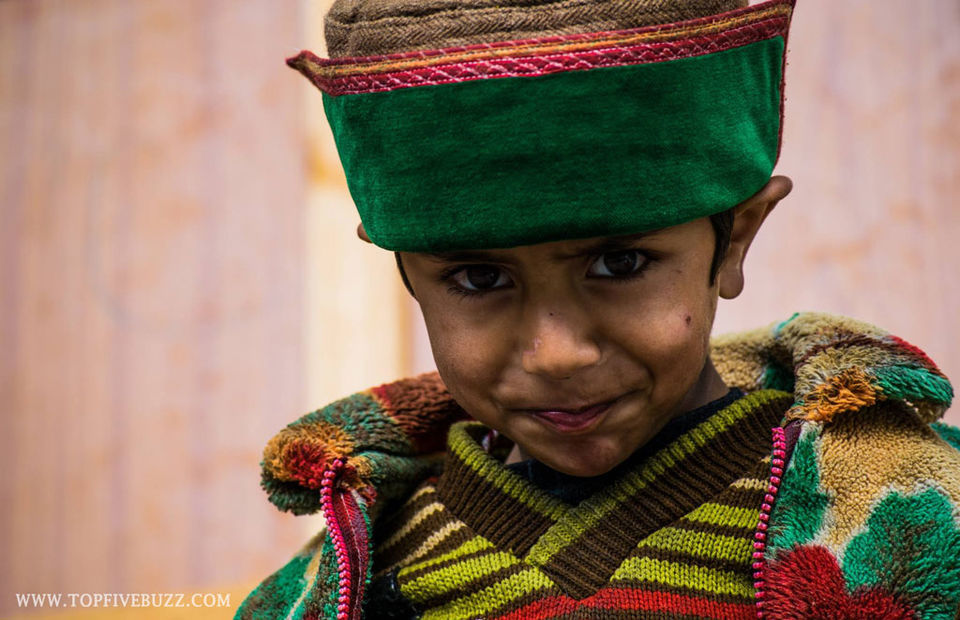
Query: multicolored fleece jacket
x=848, y=508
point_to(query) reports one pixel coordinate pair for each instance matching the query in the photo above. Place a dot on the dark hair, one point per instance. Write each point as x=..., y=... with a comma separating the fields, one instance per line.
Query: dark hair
x=722, y=228
x=403, y=274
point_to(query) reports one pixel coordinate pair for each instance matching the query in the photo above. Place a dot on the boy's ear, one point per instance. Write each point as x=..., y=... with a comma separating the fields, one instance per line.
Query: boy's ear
x=362, y=233
x=748, y=216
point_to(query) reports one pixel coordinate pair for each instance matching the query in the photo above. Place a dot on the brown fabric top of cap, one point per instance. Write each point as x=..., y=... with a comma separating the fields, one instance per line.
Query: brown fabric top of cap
x=374, y=27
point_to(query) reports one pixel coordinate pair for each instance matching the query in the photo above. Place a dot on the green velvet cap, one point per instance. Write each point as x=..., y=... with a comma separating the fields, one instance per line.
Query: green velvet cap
x=524, y=142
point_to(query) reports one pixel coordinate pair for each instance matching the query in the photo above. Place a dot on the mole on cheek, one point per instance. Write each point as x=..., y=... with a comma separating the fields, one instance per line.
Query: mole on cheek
x=688, y=320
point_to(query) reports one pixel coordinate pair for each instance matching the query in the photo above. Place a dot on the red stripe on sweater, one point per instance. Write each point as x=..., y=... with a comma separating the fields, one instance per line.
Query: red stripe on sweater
x=629, y=599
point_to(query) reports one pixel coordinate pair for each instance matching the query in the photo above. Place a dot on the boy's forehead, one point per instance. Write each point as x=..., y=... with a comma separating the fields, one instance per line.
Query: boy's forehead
x=554, y=250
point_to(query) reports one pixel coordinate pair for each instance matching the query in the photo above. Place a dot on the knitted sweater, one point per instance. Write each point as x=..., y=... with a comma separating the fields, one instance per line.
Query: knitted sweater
x=849, y=510
x=674, y=533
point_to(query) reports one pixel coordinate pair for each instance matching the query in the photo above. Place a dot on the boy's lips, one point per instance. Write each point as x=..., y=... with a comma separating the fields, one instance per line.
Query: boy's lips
x=570, y=419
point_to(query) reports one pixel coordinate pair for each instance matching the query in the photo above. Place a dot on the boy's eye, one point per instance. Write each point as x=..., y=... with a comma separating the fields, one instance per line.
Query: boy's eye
x=617, y=264
x=477, y=278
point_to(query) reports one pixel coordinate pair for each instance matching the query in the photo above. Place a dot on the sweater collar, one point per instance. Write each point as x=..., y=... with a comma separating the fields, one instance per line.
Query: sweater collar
x=575, y=545
x=391, y=436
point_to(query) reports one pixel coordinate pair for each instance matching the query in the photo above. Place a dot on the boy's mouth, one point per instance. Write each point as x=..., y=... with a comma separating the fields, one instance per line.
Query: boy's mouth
x=570, y=420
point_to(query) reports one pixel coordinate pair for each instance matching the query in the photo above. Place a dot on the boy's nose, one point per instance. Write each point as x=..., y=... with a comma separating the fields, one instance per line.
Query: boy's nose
x=558, y=347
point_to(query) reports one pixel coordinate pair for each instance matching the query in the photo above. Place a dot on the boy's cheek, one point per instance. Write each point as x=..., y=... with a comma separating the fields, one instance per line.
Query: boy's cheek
x=665, y=333
x=466, y=361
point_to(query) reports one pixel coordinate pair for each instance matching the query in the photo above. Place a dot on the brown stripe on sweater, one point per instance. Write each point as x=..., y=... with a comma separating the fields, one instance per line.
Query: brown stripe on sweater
x=720, y=530
x=735, y=496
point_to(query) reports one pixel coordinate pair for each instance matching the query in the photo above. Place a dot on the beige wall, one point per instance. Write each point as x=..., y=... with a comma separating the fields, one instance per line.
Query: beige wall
x=173, y=290
x=179, y=279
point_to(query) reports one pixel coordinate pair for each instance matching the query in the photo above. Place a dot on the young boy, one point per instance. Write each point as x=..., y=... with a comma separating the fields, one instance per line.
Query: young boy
x=570, y=187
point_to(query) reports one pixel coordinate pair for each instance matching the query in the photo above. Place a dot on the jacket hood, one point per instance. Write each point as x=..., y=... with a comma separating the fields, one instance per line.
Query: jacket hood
x=389, y=437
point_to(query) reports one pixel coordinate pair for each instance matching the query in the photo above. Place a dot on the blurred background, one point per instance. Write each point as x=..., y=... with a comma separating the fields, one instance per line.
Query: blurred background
x=180, y=278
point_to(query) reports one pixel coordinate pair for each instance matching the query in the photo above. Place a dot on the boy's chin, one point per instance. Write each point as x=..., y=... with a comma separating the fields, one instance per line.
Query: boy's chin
x=585, y=472
x=581, y=462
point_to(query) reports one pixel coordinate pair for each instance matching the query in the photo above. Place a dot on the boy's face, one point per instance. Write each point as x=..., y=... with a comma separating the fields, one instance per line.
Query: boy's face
x=578, y=351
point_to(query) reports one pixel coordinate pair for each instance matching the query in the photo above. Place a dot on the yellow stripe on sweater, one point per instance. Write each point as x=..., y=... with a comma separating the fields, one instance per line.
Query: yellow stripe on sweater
x=680, y=575
x=477, y=543
x=444, y=580
x=428, y=545
x=700, y=544
x=481, y=604
x=730, y=516
x=754, y=484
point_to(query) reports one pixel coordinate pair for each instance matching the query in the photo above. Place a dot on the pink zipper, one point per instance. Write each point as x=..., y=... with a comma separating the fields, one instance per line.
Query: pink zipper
x=777, y=465
x=347, y=529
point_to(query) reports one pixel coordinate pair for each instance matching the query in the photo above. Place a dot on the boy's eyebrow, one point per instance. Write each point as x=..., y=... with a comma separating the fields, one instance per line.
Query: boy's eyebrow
x=608, y=244
x=465, y=256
